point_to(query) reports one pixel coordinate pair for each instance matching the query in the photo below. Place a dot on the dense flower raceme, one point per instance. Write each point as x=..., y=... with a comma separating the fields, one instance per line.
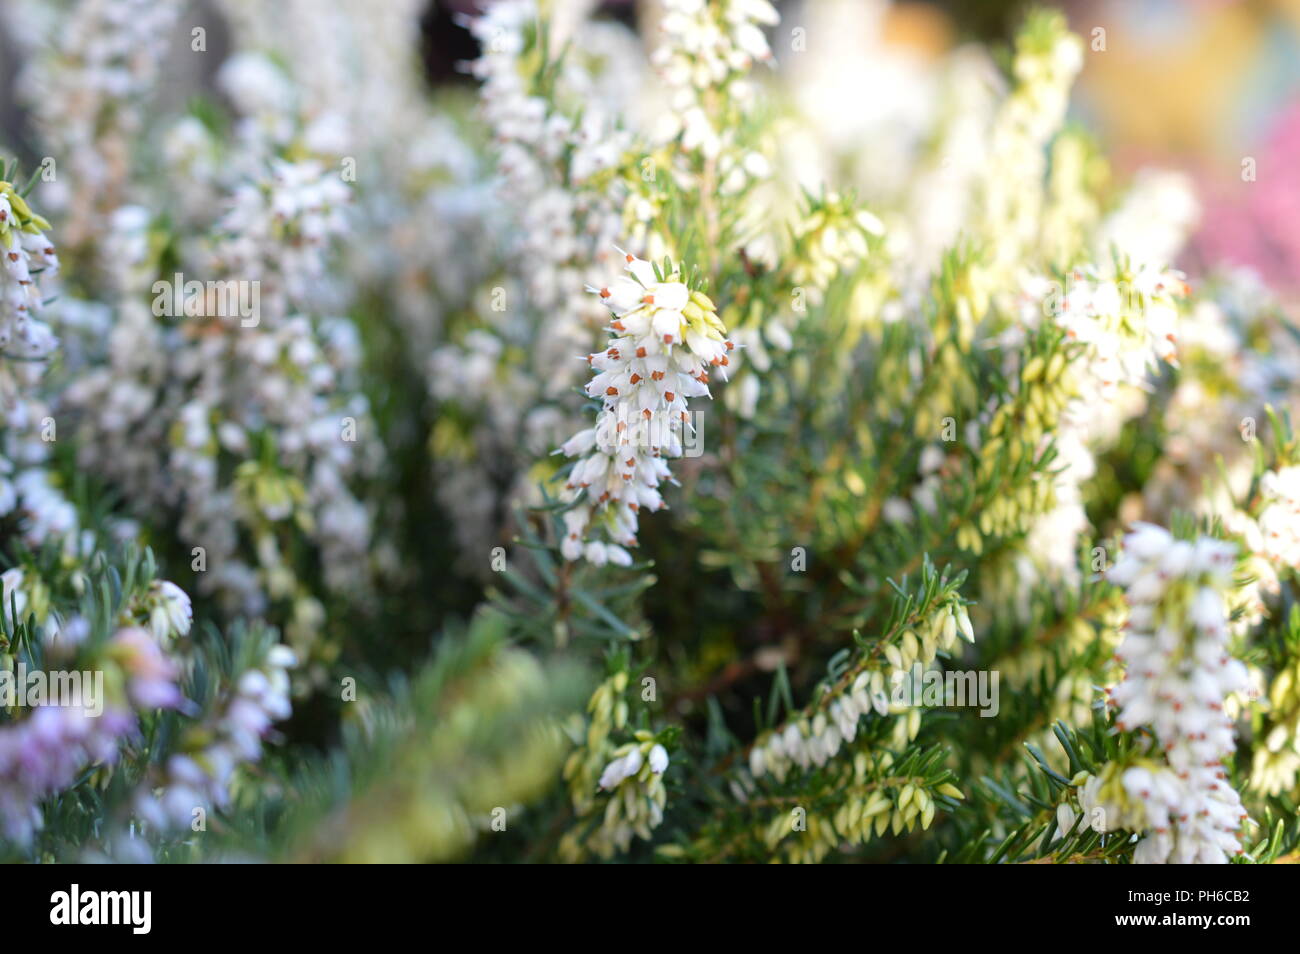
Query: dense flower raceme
x=1125, y=317
x=25, y=340
x=1121, y=325
x=664, y=340
x=1048, y=57
x=556, y=202
x=26, y=344
x=258, y=212
x=621, y=783
x=27, y=253
x=584, y=153
x=204, y=392
x=707, y=47
x=1269, y=527
x=330, y=64
x=1279, y=522
x=1178, y=676
x=816, y=735
x=88, y=92
x=687, y=107
x=1275, y=765
x=276, y=230
x=550, y=161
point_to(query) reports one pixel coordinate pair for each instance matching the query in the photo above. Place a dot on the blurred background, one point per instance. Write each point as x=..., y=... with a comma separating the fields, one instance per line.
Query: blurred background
x=1210, y=87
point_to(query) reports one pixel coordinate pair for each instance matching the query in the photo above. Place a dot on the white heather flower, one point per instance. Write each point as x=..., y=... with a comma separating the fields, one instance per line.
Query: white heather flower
x=634, y=781
x=27, y=258
x=816, y=735
x=172, y=613
x=707, y=51
x=658, y=759
x=1178, y=677
x=632, y=763
x=1123, y=336
x=278, y=231
x=614, y=774
x=49, y=515
x=13, y=594
x=87, y=91
x=1047, y=59
x=282, y=657
x=1065, y=818
x=663, y=344
x=561, y=215
x=26, y=254
x=1279, y=521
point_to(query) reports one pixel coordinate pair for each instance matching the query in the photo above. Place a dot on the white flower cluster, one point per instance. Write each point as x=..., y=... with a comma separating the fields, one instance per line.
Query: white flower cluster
x=1123, y=342
x=816, y=736
x=406, y=257
x=277, y=230
x=1279, y=521
x=1272, y=540
x=833, y=241
x=1230, y=371
x=831, y=238
x=1270, y=529
x=547, y=159
x=1239, y=355
x=221, y=396
x=306, y=79
x=631, y=774
x=1127, y=321
x=1048, y=58
x=330, y=63
x=706, y=47
x=26, y=344
x=1178, y=676
x=28, y=253
x=162, y=609
x=664, y=340
x=170, y=611
x=552, y=217
x=571, y=183
x=88, y=92
x=704, y=61
x=628, y=761
x=635, y=782
x=201, y=779
x=289, y=380
x=175, y=403
x=808, y=742
x=1125, y=324
x=312, y=73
